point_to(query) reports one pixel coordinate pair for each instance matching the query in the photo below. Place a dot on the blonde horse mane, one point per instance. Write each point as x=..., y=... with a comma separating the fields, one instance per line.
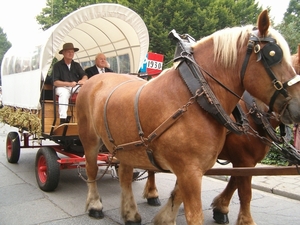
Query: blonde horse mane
x=228, y=41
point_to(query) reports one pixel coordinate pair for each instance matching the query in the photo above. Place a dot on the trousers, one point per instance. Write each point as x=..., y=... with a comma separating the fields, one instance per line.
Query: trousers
x=64, y=94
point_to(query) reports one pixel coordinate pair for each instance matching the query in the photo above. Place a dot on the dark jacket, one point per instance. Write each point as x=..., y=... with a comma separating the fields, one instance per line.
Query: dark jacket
x=91, y=71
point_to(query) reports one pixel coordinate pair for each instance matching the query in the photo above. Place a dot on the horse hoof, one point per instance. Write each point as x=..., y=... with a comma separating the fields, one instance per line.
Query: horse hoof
x=153, y=201
x=132, y=223
x=97, y=214
x=220, y=218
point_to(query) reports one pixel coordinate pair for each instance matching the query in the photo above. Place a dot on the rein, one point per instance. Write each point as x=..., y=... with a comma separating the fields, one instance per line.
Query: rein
x=261, y=118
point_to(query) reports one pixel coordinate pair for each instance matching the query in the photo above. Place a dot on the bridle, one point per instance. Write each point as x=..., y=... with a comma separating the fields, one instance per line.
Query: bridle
x=270, y=55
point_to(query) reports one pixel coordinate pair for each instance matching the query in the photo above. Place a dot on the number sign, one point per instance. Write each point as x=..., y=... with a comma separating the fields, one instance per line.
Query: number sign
x=154, y=63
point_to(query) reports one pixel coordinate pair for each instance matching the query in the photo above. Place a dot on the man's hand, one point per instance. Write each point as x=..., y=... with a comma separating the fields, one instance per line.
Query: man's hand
x=59, y=83
x=83, y=80
x=73, y=84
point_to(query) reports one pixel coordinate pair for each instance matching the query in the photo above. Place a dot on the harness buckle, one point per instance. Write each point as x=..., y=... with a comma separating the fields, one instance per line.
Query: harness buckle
x=257, y=48
x=278, y=85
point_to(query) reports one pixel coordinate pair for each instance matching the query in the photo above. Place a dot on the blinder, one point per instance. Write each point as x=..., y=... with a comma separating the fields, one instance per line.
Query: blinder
x=272, y=54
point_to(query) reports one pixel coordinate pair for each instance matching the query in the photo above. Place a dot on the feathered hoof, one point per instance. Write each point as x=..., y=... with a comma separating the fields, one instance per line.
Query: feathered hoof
x=132, y=223
x=95, y=213
x=220, y=218
x=153, y=201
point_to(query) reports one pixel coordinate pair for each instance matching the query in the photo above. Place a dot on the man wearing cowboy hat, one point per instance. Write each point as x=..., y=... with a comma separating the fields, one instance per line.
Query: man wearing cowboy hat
x=67, y=74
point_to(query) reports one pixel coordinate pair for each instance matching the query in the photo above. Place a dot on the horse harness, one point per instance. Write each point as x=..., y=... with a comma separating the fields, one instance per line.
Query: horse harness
x=201, y=93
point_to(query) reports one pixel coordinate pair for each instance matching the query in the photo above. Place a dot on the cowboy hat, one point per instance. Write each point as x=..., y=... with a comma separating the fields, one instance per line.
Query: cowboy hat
x=68, y=46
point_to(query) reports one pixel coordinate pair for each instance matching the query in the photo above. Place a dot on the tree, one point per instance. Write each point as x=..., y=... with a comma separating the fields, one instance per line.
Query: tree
x=4, y=46
x=290, y=27
x=198, y=18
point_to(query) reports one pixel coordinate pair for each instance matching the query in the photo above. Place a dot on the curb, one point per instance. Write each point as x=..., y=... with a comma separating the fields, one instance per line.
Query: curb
x=278, y=188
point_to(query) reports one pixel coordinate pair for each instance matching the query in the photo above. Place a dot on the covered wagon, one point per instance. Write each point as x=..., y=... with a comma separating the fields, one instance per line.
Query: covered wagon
x=29, y=102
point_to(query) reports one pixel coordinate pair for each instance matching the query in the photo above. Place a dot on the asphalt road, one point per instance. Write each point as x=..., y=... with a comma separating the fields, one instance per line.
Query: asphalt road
x=22, y=202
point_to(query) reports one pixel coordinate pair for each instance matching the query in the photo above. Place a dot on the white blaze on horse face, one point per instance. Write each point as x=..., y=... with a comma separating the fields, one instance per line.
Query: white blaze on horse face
x=293, y=81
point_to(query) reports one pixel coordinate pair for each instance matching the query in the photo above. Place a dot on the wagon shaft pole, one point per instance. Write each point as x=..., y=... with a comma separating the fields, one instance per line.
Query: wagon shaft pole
x=255, y=171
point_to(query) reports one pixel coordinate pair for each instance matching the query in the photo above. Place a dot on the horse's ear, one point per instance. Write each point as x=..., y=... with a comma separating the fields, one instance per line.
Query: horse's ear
x=263, y=23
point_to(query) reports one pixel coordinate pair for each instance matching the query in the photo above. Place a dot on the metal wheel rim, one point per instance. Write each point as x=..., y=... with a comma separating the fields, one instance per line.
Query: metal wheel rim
x=9, y=148
x=42, y=169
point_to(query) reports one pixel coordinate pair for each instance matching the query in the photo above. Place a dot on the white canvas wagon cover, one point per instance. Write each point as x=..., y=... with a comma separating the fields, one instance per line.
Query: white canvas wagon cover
x=112, y=29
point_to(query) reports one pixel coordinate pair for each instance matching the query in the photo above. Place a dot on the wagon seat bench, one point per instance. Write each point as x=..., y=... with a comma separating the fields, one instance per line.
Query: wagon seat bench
x=51, y=121
x=52, y=126
x=66, y=135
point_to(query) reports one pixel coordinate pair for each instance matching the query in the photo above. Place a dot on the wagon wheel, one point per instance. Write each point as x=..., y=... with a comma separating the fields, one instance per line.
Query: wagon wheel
x=13, y=147
x=47, y=169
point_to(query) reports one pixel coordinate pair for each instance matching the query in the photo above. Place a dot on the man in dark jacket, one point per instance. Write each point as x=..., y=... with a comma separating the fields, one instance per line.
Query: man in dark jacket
x=101, y=66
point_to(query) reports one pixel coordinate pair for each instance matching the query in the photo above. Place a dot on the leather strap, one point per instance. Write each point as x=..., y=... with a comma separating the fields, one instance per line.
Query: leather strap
x=136, y=111
x=261, y=119
x=247, y=57
x=105, y=109
x=155, y=134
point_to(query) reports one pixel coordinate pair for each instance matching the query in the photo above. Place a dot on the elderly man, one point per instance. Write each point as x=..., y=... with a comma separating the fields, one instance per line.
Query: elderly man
x=67, y=74
x=101, y=66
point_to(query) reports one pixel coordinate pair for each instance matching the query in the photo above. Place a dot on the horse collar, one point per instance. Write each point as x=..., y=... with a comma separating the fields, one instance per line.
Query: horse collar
x=195, y=80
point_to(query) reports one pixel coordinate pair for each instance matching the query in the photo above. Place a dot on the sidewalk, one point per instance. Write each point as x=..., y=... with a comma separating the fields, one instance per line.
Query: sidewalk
x=286, y=186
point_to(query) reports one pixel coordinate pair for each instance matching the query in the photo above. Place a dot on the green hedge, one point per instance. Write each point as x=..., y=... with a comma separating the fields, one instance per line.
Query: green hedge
x=274, y=156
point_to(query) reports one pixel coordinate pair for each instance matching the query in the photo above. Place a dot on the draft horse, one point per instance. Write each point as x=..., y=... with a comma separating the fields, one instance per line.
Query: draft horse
x=246, y=151
x=178, y=121
x=242, y=151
